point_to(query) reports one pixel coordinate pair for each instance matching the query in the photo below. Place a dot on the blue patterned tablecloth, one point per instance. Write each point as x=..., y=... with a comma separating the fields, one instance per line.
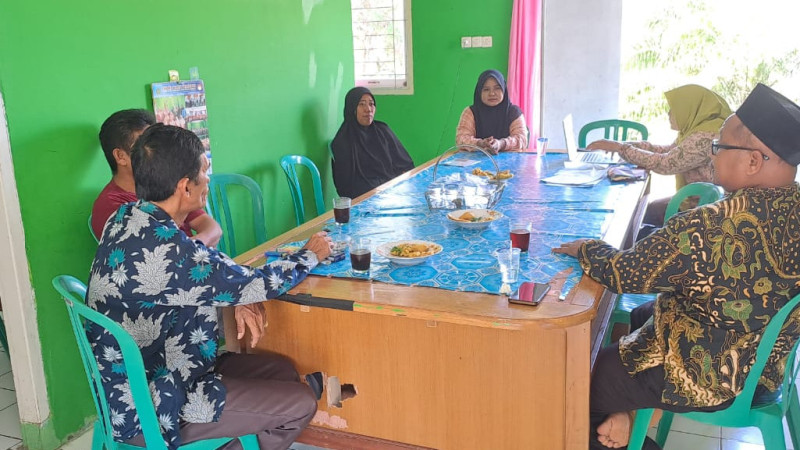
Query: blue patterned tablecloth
x=467, y=263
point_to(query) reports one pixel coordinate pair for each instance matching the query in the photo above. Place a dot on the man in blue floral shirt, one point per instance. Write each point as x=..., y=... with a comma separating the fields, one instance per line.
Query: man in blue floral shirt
x=164, y=288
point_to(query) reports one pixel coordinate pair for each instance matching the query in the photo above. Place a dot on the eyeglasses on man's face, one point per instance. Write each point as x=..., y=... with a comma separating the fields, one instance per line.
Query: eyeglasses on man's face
x=716, y=147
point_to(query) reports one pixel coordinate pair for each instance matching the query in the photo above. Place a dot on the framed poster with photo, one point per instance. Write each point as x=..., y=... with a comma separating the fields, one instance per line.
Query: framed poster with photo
x=183, y=104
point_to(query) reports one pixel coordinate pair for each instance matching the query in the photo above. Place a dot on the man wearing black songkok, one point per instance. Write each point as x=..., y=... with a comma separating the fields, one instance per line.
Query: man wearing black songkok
x=720, y=270
x=366, y=153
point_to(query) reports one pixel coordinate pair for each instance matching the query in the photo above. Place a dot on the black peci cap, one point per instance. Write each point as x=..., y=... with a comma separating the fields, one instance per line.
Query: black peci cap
x=775, y=120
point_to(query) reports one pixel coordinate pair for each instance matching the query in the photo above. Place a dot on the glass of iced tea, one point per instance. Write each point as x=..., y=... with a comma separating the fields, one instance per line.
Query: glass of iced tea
x=520, y=231
x=360, y=254
x=341, y=210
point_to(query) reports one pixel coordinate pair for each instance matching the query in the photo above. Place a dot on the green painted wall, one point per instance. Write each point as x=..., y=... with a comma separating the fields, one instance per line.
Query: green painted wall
x=444, y=73
x=65, y=66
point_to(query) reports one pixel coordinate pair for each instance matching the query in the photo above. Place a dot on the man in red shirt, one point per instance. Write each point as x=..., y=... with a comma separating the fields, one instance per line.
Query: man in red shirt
x=117, y=136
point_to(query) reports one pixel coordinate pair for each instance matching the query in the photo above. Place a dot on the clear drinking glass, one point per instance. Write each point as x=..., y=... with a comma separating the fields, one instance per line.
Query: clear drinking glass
x=360, y=254
x=341, y=210
x=508, y=260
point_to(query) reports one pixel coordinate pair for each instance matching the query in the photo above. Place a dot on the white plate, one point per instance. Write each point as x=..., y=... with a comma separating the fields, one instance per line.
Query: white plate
x=490, y=214
x=386, y=249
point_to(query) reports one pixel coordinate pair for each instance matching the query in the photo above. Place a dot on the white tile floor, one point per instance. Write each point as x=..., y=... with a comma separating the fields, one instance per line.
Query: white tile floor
x=685, y=434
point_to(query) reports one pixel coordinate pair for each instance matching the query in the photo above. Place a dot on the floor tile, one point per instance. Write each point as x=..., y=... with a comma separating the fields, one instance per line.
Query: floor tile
x=728, y=444
x=8, y=442
x=81, y=442
x=683, y=441
x=5, y=363
x=7, y=398
x=682, y=424
x=9, y=422
x=750, y=435
x=7, y=381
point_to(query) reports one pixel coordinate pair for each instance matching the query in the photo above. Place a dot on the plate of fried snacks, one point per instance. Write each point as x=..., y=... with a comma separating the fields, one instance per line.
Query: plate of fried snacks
x=502, y=175
x=473, y=218
x=408, y=253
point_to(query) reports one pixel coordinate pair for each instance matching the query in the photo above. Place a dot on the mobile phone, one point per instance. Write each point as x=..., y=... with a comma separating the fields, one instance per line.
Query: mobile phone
x=529, y=293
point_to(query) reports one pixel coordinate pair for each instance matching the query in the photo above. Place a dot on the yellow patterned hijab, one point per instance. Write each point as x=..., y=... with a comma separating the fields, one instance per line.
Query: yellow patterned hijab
x=696, y=108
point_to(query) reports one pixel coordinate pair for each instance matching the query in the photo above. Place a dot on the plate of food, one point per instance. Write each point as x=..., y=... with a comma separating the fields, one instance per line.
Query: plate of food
x=408, y=253
x=500, y=176
x=474, y=218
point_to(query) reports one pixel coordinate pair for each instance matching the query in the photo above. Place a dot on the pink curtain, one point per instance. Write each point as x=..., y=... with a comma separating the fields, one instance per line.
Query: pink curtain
x=524, y=62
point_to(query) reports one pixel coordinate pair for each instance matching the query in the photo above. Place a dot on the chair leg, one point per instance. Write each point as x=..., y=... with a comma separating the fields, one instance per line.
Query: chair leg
x=98, y=438
x=793, y=418
x=639, y=430
x=663, y=428
x=772, y=433
x=249, y=442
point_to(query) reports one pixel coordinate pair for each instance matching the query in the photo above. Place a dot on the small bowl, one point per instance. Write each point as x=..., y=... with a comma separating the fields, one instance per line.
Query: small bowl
x=486, y=217
x=385, y=250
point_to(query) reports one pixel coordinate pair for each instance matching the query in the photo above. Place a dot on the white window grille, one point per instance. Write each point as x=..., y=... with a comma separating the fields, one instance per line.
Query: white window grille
x=382, y=45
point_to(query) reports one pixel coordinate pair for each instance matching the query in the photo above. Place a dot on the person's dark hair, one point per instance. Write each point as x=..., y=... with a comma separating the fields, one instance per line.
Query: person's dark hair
x=161, y=157
x=117, y=132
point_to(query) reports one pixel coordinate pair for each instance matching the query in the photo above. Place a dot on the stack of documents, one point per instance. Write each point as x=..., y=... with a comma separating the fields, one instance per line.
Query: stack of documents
x=586, y=175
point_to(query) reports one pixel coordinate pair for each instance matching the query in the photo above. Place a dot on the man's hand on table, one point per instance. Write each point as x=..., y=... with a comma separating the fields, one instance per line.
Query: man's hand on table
x=319, y=243
x=250, y=317
x=571, y=248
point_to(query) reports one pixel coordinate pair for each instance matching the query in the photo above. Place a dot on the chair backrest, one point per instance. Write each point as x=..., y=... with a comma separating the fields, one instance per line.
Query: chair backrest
x=616, y=129
x=743, y=402
x=221, y=210
x=81, y=317
x=706, y=193
x=289, y=164
x=91, y=230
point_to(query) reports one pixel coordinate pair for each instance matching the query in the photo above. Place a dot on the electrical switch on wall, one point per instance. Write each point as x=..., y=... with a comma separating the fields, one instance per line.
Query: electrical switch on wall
x=466, y=42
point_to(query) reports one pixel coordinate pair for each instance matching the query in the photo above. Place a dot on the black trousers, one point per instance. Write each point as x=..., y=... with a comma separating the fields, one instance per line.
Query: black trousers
x=614, y=390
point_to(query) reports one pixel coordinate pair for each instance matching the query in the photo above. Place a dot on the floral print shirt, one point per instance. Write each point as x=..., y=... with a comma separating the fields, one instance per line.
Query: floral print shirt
x=164, y=288
x=691, y=158
x=722, y=271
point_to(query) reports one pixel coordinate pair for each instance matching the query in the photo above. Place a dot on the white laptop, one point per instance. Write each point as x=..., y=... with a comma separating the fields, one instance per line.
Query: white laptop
x=593, y=157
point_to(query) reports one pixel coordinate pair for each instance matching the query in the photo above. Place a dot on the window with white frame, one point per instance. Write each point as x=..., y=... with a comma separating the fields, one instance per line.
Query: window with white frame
x=382, y=45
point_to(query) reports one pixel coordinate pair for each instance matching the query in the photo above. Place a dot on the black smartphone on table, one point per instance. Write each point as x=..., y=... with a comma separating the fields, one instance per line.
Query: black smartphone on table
x=529, y=293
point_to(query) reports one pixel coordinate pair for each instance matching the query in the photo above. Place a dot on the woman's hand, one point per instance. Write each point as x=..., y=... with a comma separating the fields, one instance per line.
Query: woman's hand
x=491, y=145
x=571, y=248
x=605, y=144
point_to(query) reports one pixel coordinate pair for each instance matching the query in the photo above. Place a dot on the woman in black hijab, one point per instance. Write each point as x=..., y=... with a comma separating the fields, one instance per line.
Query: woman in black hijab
x=492, y=122
x=366, y=153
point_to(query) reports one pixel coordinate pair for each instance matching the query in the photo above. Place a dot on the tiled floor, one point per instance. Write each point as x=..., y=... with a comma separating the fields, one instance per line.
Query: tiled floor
x=685, y=434
x=10, y=436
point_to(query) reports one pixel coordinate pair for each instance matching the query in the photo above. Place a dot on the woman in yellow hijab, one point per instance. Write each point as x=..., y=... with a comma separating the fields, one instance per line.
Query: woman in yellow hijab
x=697, y=114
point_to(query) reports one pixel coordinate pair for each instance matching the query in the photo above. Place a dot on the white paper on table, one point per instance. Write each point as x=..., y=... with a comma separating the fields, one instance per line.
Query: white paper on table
x=576, y=177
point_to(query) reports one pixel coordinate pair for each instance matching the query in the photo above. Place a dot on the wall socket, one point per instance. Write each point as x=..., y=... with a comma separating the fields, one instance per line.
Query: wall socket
x=486, y=41
x=477, y=41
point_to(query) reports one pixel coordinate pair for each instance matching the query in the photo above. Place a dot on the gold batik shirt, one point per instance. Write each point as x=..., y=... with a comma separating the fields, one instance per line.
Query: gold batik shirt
x=721, y=271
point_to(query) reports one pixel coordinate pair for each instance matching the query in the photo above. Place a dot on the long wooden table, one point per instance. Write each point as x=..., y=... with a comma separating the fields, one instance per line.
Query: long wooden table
x=439, y=369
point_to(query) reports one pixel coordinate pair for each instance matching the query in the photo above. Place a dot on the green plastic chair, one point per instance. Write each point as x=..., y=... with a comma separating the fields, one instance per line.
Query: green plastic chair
x=744, y=411
x=615, y=129
x=221, y=210
x=289, y=164
x=625, y=303
x=80, y=315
